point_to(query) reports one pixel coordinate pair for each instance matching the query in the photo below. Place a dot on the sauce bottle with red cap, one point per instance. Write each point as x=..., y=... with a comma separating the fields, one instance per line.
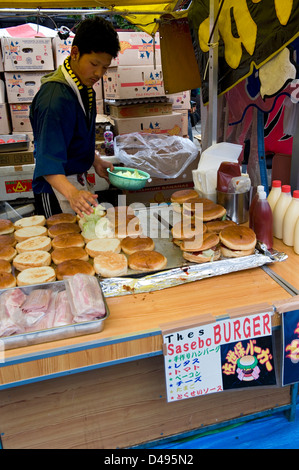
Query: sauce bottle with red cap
x=290, y=219
x=280, y=209
x=253, y=203
x=263, y=220
x=274, y=193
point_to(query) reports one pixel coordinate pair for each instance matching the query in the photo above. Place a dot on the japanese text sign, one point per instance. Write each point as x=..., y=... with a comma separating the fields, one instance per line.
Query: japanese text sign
x=290, y=340
x=221, y=355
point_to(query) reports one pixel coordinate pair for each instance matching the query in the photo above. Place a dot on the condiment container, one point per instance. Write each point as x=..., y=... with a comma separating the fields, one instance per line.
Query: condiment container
x=296, y=237
x=263, y=220
x=280, y=209
x=253, y=202
x=290, y=219
x=274, y=193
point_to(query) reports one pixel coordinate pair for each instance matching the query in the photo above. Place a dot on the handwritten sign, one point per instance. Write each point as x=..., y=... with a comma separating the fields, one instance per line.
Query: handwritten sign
x=221, y=355
x=290, y=361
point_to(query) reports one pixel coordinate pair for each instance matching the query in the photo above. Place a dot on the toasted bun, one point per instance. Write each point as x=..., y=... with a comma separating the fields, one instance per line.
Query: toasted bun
x=29, y=232
x=109, y=264
x=131, y=229
x=30, y=221
x=184, y=229
x=68, y=240
x=7, y=252
x=6, y=226
x=72, y=267
x=238, y=237
x=147, y=261
x=211, y=212
x=207, y=241
x=61, y=218
x=64, y=254
x=62, y=228
x=183, y=195
x=31, y=259
x=34, y=243
x=36, y=276
x=216, y=226
x=228, y=253
x=190, y=207
x=5, y=266
x=8, y=239
x=119, y=212
x=97, y=246
x=130, y=245
x=198, y=257
x=7, y=280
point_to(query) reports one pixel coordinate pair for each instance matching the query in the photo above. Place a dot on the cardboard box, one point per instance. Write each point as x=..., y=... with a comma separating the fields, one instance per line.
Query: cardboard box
x=170, y=124
x=22, y=86
x=140, y=109
x=98, y=88
x=100, y=106
x=27, y=54
x=5, y=123
x=20, y=117
x=16, y=182
x=156, y=194
x=24, y=157
x=133, y=82
x=137, y=48
x=184, y=114
x=61, y=49
x=180, y=100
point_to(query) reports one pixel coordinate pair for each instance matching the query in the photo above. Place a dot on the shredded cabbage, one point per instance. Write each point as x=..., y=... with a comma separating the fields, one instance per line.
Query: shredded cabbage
x=134, y=174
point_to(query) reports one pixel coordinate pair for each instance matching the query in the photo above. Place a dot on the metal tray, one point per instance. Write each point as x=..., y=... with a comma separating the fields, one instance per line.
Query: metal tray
x=52, y=334
x=21, y=142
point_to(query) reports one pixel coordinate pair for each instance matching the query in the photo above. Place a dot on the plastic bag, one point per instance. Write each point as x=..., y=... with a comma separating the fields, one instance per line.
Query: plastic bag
x=239, y=184
x=162, y=156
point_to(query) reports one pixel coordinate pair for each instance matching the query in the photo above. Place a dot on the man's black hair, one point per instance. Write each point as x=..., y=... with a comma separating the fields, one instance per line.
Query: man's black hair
x=96, y=35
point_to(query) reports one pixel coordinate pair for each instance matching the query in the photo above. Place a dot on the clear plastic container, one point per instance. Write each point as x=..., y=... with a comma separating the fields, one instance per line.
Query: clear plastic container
x=280, y=209
x=290, y=219
x=274, y=193
x=296, y=237
x=253, y=202
x=263, y=220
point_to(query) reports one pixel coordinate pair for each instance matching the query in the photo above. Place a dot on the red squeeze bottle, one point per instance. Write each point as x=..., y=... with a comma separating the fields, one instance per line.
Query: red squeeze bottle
x=263, y=220
x=253, y=203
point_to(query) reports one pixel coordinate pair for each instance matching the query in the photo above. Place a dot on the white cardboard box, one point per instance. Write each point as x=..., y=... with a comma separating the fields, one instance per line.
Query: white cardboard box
x=20, y=117
x=5, y=124
x=180, y=100
x=16, y=182
x=22, y=86
x=170, y=124
x=27, y=54
x=98, y=88
x=61, y=49
x=137, y=48
x=133, y=82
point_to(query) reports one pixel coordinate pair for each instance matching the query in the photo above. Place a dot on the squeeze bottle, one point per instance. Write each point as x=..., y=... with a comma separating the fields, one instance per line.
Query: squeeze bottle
x=263, y=220
x=290, y=219
x=274, y=193
x=253, y=202
x=296, y=237
x=280, y=209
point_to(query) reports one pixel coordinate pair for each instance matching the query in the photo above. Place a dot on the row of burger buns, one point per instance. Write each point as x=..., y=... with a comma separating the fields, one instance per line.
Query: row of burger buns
x=41, y=250
x=203, y=234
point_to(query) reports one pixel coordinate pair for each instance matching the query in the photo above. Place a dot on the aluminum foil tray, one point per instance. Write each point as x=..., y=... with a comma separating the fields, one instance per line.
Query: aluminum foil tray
x=52, y=334
x=14, y=142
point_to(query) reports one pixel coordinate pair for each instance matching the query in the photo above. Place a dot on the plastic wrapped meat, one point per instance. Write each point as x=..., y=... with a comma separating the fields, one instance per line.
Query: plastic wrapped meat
x=46, y=321
x=36, y=305
x=11, y=316
x=85, y=297
x=63, y=313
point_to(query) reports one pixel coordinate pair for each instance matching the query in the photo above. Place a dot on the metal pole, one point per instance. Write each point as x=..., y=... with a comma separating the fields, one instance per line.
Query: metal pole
x=213, y=76
x=52, y=11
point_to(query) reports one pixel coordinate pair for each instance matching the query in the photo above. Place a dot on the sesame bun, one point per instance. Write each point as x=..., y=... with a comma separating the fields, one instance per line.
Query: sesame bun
x=29, y=232
x=216, y=226
x=237, y=237
x=64, y=254
x=72, y=267
x=147, y=261
x=34, y=243
x=130, y=245
x=39, y=275
x=61, y=218
x=97, y=246
x=62, y=228
x=7, y=280
x=5, y=266
x=68, y=240
x=7, y=252
x=211, y=212
x=8, y=239
x=6, y=226
x=109, y=264
x=184, y=229
x=31, y=259
x=30, y=221
x=206, y=242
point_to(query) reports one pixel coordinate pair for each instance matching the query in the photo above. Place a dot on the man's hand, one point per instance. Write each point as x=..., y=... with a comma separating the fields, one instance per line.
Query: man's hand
x=101, y=166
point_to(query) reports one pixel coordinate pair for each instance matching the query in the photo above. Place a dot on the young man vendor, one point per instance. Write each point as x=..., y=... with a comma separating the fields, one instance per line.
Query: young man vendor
x=63, y=116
